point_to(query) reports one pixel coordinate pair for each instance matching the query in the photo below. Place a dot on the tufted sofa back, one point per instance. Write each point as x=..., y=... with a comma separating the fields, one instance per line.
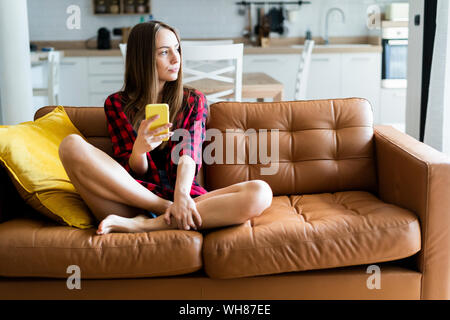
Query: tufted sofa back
x=321, y=145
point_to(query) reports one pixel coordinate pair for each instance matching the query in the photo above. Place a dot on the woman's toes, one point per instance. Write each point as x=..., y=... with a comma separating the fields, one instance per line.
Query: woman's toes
x=106, y=225
x=100, y=228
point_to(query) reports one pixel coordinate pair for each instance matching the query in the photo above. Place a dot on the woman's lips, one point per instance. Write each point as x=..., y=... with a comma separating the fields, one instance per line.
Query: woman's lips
x=174, y=70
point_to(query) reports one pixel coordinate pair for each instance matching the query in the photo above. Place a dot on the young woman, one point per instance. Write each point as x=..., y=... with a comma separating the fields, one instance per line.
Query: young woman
x=142, y=188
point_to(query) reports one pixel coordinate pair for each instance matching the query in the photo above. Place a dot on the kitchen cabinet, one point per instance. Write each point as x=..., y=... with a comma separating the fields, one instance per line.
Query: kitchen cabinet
x=73, y=82
x=106, y=76
x=87, y=81
x=331, y=75
x=281, y=67
x=345, y=75
x=361, y=76
x=393, y=107
x=324, y=78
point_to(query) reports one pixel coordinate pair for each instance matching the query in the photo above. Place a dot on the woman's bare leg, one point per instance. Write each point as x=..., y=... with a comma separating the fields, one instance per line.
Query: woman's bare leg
x=105, y=186
x=223, y=207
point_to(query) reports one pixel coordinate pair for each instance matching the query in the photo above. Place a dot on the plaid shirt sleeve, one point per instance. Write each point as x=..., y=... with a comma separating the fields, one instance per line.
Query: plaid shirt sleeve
x=121, y=132
x=195, y=122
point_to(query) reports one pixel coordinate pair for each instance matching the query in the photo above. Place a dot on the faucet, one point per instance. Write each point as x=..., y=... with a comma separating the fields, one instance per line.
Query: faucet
x=327, y=18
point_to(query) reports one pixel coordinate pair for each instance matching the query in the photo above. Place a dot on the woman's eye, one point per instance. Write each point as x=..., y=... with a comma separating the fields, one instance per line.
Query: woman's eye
x=163, y=52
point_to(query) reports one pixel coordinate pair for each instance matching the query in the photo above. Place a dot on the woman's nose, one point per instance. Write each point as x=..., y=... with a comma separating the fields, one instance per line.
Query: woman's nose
x=175, y=57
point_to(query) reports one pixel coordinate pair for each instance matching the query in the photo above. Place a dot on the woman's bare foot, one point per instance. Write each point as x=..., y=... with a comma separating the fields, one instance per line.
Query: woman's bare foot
x=115, y=223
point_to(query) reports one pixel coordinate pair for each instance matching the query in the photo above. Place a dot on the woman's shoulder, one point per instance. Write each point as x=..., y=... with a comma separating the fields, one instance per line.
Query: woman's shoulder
x=116, y=99
x=193, y=97
x=191, y=92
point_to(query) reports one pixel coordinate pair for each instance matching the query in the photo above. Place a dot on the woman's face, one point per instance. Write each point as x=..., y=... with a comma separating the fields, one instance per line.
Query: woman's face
x=167, y=55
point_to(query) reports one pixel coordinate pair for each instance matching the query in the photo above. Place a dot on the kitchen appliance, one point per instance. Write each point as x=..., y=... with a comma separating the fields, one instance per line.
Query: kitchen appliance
x=397, y=11
x=394, y=57
x=124, y=32
x=103, y=39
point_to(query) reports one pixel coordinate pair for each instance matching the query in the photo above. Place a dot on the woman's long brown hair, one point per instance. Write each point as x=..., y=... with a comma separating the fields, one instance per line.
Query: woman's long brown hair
x=141, y=83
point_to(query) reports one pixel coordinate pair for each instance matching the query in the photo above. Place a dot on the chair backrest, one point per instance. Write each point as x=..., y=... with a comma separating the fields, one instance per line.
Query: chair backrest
x=54, y=60
x=123, y=50
x=123, y=46
x=205, y=42
x=301, y=82
x=224, y=79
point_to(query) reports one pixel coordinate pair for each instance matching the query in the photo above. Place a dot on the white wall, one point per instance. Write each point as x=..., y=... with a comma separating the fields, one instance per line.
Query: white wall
x=415, y=49
x=437, y=126
x=194, y=18
x=15, y=71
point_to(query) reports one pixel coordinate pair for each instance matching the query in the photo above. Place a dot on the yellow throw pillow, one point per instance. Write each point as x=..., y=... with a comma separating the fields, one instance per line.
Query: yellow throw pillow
x=29, y=151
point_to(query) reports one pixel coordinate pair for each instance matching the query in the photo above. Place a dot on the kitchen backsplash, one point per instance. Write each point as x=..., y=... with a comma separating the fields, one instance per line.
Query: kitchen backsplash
x=197, y=18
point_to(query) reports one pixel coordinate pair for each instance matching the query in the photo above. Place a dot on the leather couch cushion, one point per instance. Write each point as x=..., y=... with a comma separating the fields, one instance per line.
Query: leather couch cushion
x=38, y=248
x=324, y=145
x=313, y=232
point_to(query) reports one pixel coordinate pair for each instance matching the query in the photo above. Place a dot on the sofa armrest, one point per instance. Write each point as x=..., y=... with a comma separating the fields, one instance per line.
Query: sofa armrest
x=415, y=176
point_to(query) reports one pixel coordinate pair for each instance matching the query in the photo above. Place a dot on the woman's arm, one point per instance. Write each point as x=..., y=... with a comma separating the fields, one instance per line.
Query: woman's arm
x=185, y=176
x=138, y=162
x=184, y=210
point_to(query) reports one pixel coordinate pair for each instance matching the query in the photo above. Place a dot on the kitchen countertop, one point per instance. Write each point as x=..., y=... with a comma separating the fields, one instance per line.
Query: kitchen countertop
x=247, y=50
x=277, y=46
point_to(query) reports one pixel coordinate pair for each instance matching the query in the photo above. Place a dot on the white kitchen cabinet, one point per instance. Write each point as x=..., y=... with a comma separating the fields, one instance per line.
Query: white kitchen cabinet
x=361, y=77
x=281, y=67
x=106, y=65
x=73, y=84
x=106, y=76
x=393, y=107
x=324, y=78
x=87, y=81
x=345, y=75
x=105, y=83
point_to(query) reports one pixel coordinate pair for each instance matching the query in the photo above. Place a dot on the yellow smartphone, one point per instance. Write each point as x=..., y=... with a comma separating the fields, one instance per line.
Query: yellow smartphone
x=163, y=111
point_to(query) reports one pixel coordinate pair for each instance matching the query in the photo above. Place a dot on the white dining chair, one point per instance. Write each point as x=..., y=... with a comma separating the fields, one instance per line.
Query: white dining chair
x=123, y=46
x=215, y=66
x=52, y=89
x=301, y=82
x=123, y=50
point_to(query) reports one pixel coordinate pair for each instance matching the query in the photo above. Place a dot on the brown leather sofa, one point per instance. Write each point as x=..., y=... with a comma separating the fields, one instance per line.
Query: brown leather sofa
x=347, y=196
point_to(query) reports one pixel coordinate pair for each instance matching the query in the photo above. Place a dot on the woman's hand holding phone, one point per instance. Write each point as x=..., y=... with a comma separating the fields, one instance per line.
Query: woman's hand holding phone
x=146, y=139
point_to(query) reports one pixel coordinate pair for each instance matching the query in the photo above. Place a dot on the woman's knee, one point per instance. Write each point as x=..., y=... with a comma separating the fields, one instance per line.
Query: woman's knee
x=258, y=197
x=72, y=149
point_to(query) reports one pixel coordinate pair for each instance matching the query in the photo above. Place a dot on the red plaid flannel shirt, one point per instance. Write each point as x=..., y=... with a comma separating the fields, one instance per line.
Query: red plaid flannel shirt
x=192, y=118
